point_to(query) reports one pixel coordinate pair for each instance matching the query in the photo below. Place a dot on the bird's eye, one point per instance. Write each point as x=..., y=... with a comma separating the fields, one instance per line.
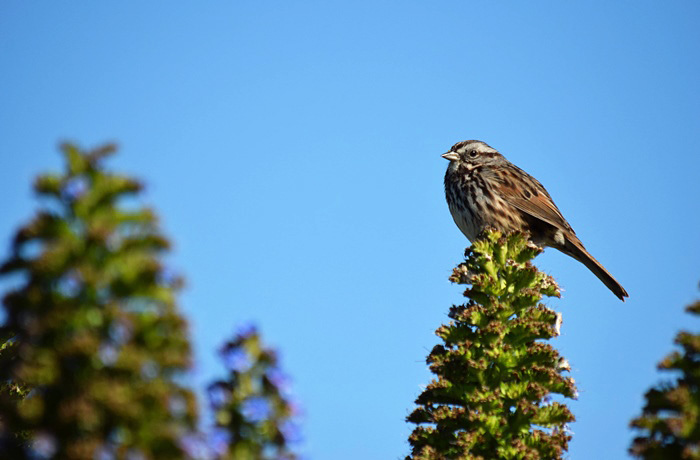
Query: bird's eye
x=472, y=153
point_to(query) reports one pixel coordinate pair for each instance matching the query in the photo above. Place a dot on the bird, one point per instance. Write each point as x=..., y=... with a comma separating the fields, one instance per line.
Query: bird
x=484, y=189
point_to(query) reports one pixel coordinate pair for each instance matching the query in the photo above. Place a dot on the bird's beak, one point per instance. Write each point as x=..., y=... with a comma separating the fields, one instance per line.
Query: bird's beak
x=452, y=156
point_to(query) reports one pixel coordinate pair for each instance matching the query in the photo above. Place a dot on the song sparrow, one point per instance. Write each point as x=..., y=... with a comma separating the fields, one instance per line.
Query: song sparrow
x=485, y=190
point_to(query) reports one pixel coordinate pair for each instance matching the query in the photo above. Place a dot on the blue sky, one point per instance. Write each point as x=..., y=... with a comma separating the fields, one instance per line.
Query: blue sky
x=292, y=150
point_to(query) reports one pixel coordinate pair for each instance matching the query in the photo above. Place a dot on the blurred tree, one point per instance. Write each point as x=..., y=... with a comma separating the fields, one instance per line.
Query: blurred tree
x=96, y=336
x=491, y=397
x=670, y=421
x=254, y=419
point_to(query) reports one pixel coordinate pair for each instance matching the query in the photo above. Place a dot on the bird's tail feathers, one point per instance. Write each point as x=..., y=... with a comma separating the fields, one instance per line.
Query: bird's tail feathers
x=576, y=250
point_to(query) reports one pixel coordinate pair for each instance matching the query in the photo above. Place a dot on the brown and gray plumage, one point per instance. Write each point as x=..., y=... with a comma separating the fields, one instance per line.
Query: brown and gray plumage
x=484, y=189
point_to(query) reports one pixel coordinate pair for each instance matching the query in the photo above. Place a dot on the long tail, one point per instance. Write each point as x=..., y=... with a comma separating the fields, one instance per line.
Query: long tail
x=576, y=250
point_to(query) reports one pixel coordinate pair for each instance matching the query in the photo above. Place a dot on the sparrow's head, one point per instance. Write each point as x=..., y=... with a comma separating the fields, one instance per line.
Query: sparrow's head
x=472, y=153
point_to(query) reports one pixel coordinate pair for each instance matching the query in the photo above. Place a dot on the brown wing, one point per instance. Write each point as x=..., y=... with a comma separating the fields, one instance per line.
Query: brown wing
x=524, y=192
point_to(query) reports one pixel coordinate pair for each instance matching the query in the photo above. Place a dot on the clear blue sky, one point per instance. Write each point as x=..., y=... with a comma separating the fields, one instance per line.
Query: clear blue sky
x=293, y=149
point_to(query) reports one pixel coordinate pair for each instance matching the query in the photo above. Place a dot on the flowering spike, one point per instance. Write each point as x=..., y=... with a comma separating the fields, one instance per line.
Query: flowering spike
x=251, y=406
x=670, y=421
x=94, y=343
x=493, y=374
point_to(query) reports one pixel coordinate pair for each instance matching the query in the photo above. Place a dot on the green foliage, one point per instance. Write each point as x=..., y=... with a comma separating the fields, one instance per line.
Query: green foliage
x=96, y=336
x=251, y=406
x=491, y=397
x=670, y=421
x=10, y=389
